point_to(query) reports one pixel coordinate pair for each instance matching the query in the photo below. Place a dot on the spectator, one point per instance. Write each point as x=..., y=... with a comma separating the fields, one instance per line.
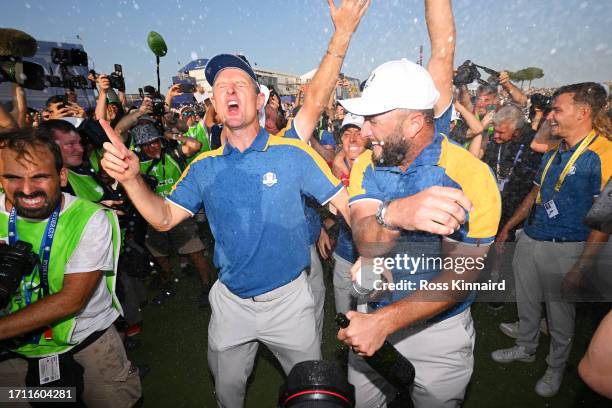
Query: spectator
x=345, y=254
x=155, y=161
x=553, y=254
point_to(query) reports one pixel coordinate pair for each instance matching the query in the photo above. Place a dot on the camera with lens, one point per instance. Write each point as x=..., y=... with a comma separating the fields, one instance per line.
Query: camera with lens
x=14, y=45
x=73, y=57
x=542, y=102
x=158, y=103
x=468, y=73
x=16, y=261
x=316, y=383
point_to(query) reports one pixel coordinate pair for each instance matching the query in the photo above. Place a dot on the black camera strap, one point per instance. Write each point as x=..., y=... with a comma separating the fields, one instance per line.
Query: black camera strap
x=44, y=252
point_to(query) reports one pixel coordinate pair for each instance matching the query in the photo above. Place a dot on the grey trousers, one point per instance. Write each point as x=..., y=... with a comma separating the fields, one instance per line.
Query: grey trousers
x=317, y=286
x=443, y=358
x=342, y=284
x=282, y=319
x=539, y=268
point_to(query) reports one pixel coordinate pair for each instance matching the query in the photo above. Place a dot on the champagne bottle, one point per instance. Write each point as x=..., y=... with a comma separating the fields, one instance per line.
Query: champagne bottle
x=391, y=365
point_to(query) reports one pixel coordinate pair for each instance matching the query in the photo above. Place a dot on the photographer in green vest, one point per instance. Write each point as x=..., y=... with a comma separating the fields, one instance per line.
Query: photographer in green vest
x=57, y=287
x=159, y=160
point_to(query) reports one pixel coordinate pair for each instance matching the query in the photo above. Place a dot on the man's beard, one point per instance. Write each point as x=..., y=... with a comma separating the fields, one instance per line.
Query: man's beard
x=37, y=213
x=394, y=151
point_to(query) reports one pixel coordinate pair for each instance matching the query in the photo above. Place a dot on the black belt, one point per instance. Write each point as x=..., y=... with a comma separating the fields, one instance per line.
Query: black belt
x=559, y=240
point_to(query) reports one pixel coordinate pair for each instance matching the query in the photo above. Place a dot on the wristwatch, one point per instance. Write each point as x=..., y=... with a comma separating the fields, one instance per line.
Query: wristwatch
x=380, y=216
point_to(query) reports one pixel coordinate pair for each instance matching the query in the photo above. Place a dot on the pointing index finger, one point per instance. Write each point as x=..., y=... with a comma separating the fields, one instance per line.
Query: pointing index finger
x=113, y=136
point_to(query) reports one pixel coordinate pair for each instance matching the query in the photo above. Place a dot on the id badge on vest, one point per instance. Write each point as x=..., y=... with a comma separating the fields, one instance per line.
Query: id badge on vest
x=551, y=209
x=48, y=369
x=501, y=184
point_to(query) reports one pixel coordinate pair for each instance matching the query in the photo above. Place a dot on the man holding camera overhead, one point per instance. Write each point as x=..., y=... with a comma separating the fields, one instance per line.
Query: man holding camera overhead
x=61, y=301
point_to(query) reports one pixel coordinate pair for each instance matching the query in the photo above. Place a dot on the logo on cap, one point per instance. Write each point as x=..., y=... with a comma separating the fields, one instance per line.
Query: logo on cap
x=370, y=79
x=269, y=179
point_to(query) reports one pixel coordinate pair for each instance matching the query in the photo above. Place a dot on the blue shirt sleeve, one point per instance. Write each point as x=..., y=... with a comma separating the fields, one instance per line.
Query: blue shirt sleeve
x=186, y=193
x=317, y=180
x=292, y=133
x=442, y=122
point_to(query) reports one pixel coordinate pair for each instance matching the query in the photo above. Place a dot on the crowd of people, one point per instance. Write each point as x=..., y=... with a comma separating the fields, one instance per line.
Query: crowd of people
x=415, y=165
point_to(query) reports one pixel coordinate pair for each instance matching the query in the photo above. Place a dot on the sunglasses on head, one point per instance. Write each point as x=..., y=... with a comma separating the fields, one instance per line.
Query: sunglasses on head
x=188, y=113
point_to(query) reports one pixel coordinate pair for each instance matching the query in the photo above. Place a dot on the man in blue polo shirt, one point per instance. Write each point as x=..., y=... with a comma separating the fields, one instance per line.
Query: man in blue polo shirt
x=557, y=249
x=251, y=189
x=418, y=197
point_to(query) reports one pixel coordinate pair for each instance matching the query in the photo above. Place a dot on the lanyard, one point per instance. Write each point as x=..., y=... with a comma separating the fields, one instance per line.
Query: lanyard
x=44, y=251
x=581, y=148
x=514, y=162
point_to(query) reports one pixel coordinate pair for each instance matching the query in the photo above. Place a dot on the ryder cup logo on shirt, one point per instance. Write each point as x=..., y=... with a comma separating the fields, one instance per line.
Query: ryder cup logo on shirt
x=269, y=179
x=572, y=171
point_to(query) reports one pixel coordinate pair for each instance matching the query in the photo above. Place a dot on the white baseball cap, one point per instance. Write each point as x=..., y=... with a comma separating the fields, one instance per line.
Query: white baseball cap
x=351, y=119
x=397, y=84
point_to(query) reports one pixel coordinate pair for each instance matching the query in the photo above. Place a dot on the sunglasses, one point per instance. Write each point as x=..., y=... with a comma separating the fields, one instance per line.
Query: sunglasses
x=188, y=114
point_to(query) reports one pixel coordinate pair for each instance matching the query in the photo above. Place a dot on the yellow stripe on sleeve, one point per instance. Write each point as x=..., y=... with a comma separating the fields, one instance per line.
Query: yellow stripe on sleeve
x=477, y=182
x=602, y=147
x=363, y=162
x=321, y=163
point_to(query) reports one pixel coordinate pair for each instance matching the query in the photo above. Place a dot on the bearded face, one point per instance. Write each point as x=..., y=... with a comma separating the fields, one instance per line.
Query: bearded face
x=392, y=150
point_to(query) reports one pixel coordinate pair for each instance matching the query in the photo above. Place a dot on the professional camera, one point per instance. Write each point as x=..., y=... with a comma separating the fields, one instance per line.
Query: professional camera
x=14, y=45
x=92, y=133
x=158, y=103
x=73, y=57
x=116, y=78
x=541, y=102
x=468, y=73
x=316, y=383
x=16, y=261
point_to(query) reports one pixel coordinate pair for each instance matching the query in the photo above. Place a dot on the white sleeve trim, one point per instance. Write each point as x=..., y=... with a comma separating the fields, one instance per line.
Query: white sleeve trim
x=365, y=199
x=294, y=125
x=332, y=197
x=179, y=206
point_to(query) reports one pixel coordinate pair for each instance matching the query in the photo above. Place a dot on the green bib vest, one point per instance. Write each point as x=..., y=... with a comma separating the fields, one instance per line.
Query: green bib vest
x=166, y=171
x=198, y=132
x=70, y=227
x=85, y=186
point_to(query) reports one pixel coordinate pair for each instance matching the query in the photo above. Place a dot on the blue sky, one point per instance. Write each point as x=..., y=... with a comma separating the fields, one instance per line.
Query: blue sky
x=569, y=40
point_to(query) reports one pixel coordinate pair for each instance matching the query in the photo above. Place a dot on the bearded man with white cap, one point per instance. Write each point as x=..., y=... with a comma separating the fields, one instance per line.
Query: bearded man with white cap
x=416, y=197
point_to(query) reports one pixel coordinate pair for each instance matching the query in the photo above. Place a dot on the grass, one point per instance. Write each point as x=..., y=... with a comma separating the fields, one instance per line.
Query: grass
x=174, y=347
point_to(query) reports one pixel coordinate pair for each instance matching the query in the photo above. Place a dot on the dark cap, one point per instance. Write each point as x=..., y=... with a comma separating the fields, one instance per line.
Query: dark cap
x=144, y=134
x=223, y=61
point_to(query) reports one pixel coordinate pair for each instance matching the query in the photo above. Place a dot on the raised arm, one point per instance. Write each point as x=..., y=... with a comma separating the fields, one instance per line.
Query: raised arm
x=515, y=93
x=103, y=87
x=346, y=18
x=441, y=27
x=123, y=165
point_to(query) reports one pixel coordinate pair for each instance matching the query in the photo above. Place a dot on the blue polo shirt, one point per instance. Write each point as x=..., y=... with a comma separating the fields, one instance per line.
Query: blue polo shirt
x=441, y=163
x=253, y=201
x=583, y=183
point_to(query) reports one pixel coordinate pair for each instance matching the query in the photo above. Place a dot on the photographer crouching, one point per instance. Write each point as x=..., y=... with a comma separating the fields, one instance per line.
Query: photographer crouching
x=57, y=281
